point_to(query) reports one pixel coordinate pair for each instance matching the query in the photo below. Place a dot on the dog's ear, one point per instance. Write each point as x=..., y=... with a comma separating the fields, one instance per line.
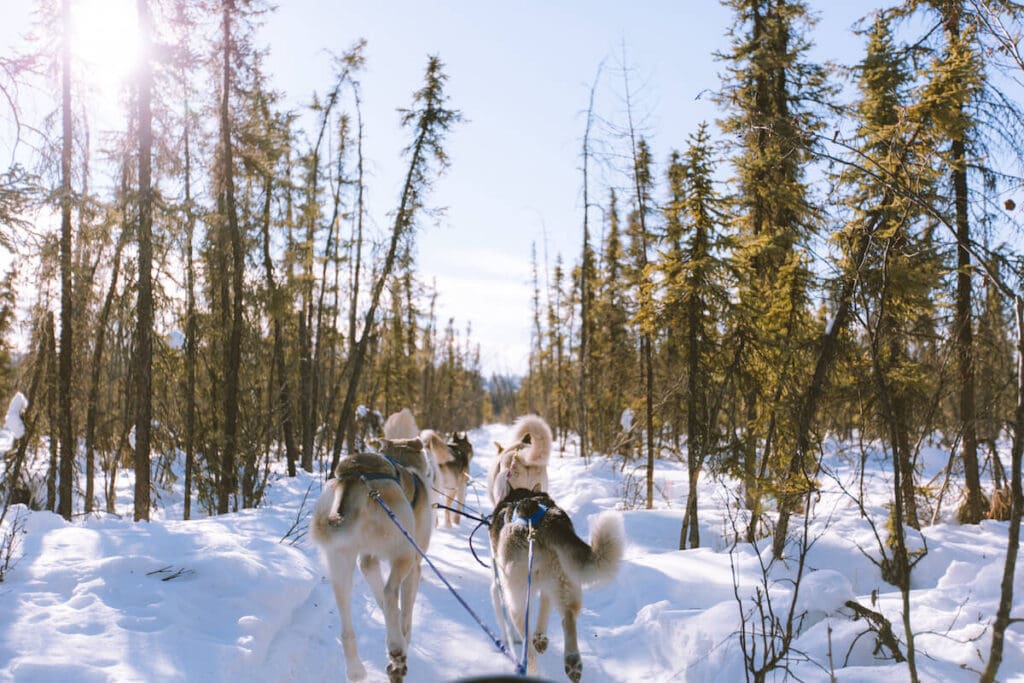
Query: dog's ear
x=527, y=439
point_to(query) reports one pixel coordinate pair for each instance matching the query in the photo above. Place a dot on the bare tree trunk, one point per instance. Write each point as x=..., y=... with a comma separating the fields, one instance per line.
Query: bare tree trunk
x=1002, y=620
x=144, y=327
x=581, y=407
x=277, y=304
x=797, y=481
x=191, y=327
x=430, y=124
x=696, y=440
x=52, y=412
x=233, y=348
x=894, y=425
x=32, y=414
x=974, y=506
x=92, y=410
x=67, y=440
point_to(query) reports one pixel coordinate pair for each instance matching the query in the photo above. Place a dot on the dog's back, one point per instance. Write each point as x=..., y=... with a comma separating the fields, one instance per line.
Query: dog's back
x=555, y=535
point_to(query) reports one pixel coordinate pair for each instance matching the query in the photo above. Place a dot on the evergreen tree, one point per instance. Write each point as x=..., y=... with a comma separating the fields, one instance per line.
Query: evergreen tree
x=694, y=296
x=430, y=120
x=768, y=93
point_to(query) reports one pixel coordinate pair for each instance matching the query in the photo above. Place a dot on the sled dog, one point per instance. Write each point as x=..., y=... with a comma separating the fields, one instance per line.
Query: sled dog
x=348, y=524
x=453, y=459
x=369, y=425
x=562, y=564
x=401, y=425
x=524, y=463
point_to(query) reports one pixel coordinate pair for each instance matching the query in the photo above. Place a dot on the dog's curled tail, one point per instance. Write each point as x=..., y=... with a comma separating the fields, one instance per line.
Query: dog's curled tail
x=325, y=514
x=540, y=438
x=599, y=561
x=433, y=442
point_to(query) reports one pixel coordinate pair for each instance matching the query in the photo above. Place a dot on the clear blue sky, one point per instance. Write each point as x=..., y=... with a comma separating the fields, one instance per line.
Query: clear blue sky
x=520, y=73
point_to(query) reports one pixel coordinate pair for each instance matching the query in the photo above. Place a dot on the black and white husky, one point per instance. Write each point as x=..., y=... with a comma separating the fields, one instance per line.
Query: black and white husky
x=562, y=564
x=349, y=525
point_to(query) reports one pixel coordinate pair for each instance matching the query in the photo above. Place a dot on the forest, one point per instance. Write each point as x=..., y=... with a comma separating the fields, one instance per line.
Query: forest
x=838, y=254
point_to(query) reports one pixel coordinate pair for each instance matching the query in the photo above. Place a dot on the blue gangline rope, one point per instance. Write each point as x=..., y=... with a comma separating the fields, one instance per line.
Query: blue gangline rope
x=529, y=589
x=375, y=494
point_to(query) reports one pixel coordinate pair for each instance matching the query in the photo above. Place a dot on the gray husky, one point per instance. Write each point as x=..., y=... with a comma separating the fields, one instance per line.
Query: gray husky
x=453, y=458
x=348, y=524
x=562, y=564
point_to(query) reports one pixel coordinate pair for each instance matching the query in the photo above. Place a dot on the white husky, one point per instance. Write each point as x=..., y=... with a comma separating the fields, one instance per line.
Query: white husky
x=348, y=524
x=523, y=464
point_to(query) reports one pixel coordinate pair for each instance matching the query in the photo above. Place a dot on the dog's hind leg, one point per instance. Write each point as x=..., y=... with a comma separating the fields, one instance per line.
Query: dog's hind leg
x=517, y=611
x=540, y=638
x=370, y=567
x=570, y=612
x=341, y=566
x=460, y=494
x=400, y=568
x=508, y=632
x=408, y=598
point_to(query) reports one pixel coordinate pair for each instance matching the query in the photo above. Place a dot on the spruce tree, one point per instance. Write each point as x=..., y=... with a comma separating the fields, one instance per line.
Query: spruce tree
x=768, y=93
x=693, y=278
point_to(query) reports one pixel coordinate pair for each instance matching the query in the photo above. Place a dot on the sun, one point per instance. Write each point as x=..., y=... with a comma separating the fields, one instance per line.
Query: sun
x=105, y=40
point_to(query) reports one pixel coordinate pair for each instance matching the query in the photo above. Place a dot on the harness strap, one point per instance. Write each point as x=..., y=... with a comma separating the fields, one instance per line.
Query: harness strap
x=396, y=476
x=531, y=521
x=531, y=531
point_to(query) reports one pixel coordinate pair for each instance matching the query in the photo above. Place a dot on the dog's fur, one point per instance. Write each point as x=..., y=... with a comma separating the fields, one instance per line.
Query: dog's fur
x=453, y=459
x=348, y=524
x=401, y=425
x=523, y=464
x=562, y=564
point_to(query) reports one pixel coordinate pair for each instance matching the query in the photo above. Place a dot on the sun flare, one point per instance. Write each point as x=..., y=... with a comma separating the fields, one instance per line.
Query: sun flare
x=104, y=39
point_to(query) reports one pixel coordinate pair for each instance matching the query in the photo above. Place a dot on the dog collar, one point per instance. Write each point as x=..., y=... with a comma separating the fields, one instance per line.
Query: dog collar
x=532, y=520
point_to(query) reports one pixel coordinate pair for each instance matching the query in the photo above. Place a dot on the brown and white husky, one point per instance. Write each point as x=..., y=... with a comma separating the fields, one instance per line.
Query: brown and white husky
x=524, y=463
x=562, y=564
x=453, y=458
x=349, y=525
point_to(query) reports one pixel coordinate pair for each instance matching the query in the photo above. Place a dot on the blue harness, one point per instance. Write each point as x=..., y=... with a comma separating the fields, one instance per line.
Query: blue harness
x=396, y=477
x=533, y=520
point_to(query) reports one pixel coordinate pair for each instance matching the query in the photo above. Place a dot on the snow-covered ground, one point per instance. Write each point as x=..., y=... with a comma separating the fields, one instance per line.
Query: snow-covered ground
x=226, y=599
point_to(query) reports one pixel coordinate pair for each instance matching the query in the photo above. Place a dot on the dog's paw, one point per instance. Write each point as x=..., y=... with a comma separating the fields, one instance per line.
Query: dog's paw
x=356, y=672
x=397, y=667
x=574, y=667
x=540, y=642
